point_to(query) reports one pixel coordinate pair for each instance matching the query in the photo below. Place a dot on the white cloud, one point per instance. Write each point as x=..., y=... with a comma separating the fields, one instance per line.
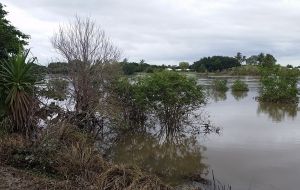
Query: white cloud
x=168, y=31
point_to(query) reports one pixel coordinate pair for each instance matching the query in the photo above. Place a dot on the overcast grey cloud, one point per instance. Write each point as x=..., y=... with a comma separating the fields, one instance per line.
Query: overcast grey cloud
x=169, y=31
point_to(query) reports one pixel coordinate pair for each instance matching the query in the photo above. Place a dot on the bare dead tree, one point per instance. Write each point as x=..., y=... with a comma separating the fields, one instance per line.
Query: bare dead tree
x=89, y=52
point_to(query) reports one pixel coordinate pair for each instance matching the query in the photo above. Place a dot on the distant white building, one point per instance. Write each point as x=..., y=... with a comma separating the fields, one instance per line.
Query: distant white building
x=169, y=69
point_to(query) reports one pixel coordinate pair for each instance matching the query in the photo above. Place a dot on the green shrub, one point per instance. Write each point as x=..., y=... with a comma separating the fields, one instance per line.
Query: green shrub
x=58, y=68
x=149, y=70
x=129, y=69
x=17, y=82
x=132, y=114
x=170, y=96
x=279, y=85
x=220, y=85
x=239, y=85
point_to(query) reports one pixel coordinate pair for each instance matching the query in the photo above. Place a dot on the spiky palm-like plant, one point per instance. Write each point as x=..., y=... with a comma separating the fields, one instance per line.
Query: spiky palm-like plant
x=16, y=90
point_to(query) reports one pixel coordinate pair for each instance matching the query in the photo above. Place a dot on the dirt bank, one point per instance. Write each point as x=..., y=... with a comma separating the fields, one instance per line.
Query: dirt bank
x=12, y=178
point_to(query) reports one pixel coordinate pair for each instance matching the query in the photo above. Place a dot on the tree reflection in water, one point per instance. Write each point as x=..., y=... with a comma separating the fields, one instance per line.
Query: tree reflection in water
x=217, y=95
x=174, y=160
x=278, y=112
x=239, y=95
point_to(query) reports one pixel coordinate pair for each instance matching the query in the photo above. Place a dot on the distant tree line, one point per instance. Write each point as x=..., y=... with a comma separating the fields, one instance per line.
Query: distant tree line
x=127, y=67
x=205, y=64
x=220, y=63
x=130, y=68
x=215, y=63
x=58, y=68
x=261, y=59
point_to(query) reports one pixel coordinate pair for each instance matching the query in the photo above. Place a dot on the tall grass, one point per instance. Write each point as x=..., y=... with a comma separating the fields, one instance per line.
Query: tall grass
x=66, y=152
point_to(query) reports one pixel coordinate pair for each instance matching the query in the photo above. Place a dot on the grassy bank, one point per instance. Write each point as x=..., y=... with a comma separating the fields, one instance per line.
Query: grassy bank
x=65, y=158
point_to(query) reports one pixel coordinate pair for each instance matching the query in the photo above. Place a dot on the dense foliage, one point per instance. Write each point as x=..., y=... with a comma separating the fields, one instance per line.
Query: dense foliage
x=241, y=58
x=239, y=85
x=167, y=95
x=133, y=115
x=215, y=63
x=130, y=68
x=58, y=68
x=279, y=85
x=265, y=60
x=17, y=84
x=171, y=97
x=39, y=71
x=252, y=60
x=11, y=39
x=184, y=65
x=220, y=85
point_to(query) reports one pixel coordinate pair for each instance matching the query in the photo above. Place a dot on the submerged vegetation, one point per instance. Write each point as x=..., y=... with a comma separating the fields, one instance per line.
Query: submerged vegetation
x=220, y=85
x=171, y=97
x=239, y=85
x=166, y=98
x=279, y=85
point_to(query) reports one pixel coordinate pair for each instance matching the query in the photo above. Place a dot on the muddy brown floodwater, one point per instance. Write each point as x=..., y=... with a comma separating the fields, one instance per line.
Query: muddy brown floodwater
x=258, y=147
x=259, y=144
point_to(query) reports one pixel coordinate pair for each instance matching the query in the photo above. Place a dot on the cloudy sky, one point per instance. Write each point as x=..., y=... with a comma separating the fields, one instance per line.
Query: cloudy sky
x=169, y=31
